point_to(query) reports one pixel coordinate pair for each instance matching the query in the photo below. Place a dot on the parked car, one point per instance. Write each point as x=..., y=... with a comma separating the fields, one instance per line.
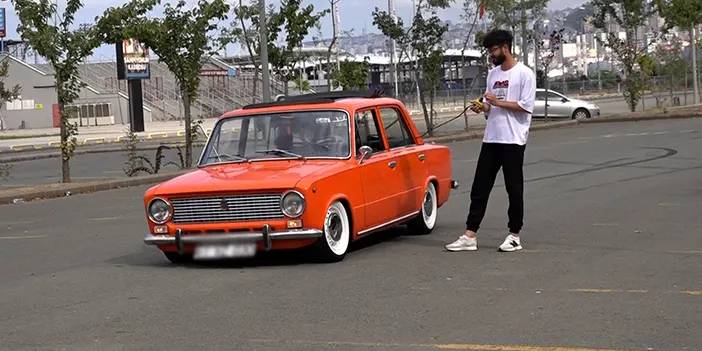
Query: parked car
x=316, y=170
x=560, y=106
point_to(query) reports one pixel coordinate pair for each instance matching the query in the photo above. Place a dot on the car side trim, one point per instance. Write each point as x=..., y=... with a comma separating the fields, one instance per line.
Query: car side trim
x=387, y=224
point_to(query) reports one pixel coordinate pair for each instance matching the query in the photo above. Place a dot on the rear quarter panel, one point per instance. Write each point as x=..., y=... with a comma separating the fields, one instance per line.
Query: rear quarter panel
x=438, y=163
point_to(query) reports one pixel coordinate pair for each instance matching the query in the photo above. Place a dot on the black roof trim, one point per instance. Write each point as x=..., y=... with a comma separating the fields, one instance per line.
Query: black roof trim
x=318, y=98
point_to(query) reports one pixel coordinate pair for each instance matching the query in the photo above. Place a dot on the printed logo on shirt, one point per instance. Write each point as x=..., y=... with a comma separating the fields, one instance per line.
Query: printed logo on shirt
x=500, y=89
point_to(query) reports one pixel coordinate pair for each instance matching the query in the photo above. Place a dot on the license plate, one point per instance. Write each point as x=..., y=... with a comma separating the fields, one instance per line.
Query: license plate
x=225, y=251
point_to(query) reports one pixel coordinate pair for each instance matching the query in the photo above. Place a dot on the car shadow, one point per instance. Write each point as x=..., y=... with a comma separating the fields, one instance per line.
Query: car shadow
x=151, y=257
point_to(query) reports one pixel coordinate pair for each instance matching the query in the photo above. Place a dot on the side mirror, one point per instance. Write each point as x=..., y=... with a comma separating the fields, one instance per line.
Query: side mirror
x=364, y=153
x=564, y=100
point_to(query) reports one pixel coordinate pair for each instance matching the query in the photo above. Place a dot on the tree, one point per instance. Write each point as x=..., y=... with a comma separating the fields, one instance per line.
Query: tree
x=65, y=48
x=335, y=37
x=296, y=21
x=6, y=95
x=351, y=75
x=245, y=30
x=629, y=15
x=421, y=42
x=511, y=13
x=183, y=40
x=685, y=14
x=469, y=7
x=552, y=45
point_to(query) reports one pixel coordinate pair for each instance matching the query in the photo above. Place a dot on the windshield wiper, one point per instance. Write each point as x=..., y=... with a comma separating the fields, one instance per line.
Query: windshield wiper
x=227, y=157
x=281, y=152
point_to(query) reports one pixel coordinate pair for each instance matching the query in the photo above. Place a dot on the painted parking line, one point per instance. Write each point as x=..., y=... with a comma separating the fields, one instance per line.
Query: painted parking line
x=21, y=147
x=21, y=237
x=94, y=141
x=593, y=291
x=453, y=346
x=157, y=135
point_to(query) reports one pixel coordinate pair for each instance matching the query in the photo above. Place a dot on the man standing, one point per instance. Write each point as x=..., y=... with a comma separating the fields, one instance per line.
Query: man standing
x=509, y=103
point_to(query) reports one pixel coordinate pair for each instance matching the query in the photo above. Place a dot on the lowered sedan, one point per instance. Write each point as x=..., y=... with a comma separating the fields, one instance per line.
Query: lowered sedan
x=316, y=171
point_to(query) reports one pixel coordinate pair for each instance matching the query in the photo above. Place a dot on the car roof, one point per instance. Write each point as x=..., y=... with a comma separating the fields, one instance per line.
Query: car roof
x=348, y=101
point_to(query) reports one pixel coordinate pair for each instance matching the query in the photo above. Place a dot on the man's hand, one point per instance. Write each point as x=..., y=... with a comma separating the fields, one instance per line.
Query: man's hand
x=491, y=98
x=476, y=106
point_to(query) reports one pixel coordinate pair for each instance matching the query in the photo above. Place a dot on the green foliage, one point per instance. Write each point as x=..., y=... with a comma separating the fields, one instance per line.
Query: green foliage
x=184, y=39
x=630, y=15
x=351, y=75
x=296, y=21
x=137, y=163
x=681, y=13
x=7, y=95
x=65, y=48
x=421, y=42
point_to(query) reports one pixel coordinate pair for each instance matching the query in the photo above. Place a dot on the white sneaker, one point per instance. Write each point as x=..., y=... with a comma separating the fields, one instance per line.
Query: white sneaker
x=463, y=243
x=511, y=244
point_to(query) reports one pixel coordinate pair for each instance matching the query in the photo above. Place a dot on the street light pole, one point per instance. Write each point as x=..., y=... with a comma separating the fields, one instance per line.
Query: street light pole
x=266, y=86
x=525, y=52
x=393, y=63
x=695, y=83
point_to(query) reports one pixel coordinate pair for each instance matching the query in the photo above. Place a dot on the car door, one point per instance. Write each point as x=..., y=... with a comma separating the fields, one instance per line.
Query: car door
x=380, y=178
x=411, y=171
x=539, y=103
x=556, y=106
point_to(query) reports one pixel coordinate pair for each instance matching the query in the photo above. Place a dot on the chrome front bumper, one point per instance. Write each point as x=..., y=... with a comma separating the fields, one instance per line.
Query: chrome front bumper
x=266, y=235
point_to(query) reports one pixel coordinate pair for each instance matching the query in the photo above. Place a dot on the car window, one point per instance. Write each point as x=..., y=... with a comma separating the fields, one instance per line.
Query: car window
x=395, y=128
x=367, y=131
x=554, y=96
x=541, y=95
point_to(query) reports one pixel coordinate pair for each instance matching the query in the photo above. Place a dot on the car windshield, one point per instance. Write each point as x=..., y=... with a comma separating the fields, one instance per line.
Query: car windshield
x=300, y=135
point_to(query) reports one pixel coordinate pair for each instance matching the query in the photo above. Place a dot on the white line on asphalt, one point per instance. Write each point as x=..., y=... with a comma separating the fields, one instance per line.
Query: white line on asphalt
x=688, y=131
x=20, y=237
x=401, y=346
x=100, y=219
x=605, y=224
x=660, y=133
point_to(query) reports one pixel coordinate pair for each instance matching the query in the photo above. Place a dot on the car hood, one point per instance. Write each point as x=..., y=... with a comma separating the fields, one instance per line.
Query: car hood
x=248, y=176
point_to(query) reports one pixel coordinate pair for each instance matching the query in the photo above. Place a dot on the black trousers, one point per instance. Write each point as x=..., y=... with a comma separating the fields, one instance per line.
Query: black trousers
x=509, y=157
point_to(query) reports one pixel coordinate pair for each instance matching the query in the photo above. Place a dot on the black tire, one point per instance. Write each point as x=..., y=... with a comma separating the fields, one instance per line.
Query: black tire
x=177, y=258
x=581, y=111
x=425, y=222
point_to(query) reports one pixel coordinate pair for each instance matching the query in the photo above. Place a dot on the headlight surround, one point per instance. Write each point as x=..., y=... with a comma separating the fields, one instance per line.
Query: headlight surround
x=293, y=204
x=160, y=211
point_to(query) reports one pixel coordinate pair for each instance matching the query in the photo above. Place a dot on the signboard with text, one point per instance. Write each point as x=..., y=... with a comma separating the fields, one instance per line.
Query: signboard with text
x=132, y=60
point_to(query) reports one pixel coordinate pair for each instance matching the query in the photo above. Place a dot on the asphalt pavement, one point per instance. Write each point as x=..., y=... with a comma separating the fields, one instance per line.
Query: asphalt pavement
x=611, y=262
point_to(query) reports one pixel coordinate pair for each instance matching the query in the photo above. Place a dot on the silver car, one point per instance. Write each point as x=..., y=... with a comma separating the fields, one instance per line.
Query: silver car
x=560, y=106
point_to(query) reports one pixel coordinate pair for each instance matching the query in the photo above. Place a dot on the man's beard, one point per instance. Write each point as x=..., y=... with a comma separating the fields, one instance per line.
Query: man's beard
x=499, y=60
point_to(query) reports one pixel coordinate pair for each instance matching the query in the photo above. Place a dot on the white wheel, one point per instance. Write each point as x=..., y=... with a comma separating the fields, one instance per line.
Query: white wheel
x=337, y=233
x=425, y=222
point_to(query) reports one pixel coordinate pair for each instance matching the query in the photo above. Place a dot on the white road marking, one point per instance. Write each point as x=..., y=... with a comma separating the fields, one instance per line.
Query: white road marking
x=20, y=237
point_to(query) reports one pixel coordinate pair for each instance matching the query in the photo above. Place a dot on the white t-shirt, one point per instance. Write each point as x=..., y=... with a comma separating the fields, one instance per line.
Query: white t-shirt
x=516, y=84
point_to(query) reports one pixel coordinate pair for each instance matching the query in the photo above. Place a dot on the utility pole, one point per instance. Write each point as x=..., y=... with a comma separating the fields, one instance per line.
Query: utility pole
x=695, y=83
x=266, y=86
x=393, y=50
x=597, y=50
x=525, y=52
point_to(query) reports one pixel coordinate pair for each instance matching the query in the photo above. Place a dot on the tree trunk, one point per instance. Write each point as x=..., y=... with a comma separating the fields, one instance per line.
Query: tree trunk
x=423, y=102
x=695, y=84
x=546, y=100
x=63, y=126
x=188, y=129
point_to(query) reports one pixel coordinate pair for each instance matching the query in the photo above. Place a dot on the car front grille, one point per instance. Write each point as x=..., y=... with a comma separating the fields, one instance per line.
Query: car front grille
x=226, y=208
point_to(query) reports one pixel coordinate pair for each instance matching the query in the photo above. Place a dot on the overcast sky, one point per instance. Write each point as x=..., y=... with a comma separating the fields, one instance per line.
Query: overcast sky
x=354, y=14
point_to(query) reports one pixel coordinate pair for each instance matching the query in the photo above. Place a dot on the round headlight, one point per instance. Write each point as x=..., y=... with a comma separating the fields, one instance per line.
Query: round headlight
x=159, y=211
x=293, y=204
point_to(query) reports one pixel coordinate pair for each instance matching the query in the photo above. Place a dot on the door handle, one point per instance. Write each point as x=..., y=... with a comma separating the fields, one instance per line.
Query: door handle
x=422, y=157
x=392, y=164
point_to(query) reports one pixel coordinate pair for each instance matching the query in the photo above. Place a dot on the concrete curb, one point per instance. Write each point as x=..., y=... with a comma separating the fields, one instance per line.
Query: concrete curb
x=47, y=191
x=479, y=134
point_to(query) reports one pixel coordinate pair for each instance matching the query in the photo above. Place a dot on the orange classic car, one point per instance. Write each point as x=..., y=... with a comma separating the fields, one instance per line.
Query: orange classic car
x=316, y=170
